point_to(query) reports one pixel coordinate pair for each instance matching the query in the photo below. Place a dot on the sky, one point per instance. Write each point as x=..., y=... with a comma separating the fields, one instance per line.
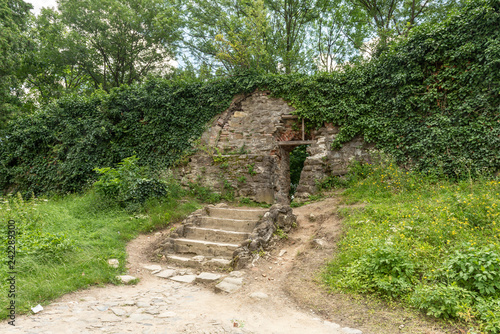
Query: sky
x=37, y=4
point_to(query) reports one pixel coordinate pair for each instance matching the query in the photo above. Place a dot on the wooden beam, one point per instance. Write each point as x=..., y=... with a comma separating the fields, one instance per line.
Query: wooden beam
x=289, y=116
x=296, y=142
x=303, y=131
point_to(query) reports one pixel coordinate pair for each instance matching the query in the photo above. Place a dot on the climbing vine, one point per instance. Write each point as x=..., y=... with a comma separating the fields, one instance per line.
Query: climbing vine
x=432, y=102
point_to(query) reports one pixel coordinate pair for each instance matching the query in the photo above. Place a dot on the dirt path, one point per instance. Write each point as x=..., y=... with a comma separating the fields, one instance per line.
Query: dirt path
x=267, y=302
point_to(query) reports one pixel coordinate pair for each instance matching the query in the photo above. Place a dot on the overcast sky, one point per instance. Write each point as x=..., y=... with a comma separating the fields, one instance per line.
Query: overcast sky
x=37, y=4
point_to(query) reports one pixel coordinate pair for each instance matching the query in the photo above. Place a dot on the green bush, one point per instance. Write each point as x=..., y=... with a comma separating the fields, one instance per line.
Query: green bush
x=128, y=184
x=476, y=269
x=388, y=270
x=442, y=301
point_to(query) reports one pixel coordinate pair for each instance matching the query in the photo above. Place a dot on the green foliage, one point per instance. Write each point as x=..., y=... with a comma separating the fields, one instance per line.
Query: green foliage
x=358, y=170
x=14, y=18
x=297, y=158
x=128, y=183
x=414, y=243
x=121, y=41
x=386, y=270
x=251, y=169
x=476, y=270
x=442, y=301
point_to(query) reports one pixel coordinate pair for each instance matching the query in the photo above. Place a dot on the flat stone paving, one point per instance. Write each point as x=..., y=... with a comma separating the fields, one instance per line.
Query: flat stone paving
x=162, y=305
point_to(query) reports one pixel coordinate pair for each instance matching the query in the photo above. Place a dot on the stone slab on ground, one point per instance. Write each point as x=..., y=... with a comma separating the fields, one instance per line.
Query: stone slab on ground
x=259, y=295
x=126, y=279
x=152, y=267
x=184, y=279
x=167, y=273
x=348, y=330
x=229, y=285
x=207, y=277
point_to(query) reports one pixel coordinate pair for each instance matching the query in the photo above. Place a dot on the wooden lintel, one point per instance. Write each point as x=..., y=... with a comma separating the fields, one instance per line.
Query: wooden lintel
x=289, y=116
x=296, y=142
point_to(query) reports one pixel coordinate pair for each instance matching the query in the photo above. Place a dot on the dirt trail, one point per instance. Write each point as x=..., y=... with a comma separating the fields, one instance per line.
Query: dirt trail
x=268, y=302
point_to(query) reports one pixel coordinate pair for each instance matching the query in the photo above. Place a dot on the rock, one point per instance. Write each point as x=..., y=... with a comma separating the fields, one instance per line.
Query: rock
x=236, y=274
x=152, y=310
x=168, y=314
x=229, y=285
x=118, y=311
x=198, y=258
x=319, y=243
x=102, y=308
x=282, y=252
x=143, y=304
x=207, y=277
x=126, y=279
x=184, y=279
x=140, y=317
x=128, y=303
x=348, y=330
x=167, y=273
x=110, y=318
x=152, y=267
x=113, y=263
x=312, y=217
x=259, y=295
x=331, y=324
x=221, y=205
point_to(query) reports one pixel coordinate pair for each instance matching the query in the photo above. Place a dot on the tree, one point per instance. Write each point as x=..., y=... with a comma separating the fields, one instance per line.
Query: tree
x=230, y=33
x=123, y=40
x=52, y=67
x=290, y=19
x=14, y=16
x=391, y=18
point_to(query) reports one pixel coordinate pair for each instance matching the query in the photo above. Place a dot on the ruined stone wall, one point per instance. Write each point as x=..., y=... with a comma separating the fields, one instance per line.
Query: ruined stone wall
x=322, y=161
x=240, y=152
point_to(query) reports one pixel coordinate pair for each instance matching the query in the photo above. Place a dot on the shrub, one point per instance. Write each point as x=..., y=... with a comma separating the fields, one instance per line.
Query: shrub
x=129, y=184
x=476, y=269
x=442, y=301
x=388, y=270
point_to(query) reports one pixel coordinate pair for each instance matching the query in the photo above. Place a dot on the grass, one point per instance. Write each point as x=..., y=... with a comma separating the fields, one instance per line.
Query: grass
x=63, y=244
x=429, y=242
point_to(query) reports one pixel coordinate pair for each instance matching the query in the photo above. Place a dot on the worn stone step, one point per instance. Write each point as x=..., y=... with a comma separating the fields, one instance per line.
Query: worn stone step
x=228, y=224
x=232, y=213
x=198, y=261
x=215, y=235
x=205, y=248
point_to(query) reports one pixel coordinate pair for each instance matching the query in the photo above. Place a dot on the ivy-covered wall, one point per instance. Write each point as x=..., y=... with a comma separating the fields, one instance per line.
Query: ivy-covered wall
x=432, y=101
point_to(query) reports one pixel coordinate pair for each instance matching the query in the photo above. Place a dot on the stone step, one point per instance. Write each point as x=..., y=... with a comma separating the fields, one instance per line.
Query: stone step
x=199, y=261
x=215, y=235
x=205, y=248
x=240, y=213
x=235, y=225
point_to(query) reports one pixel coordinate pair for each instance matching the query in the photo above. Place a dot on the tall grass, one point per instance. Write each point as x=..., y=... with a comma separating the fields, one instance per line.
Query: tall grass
x=431, y=243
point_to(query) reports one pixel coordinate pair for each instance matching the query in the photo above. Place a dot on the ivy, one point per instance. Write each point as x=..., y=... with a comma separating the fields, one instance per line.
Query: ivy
x=432, y=101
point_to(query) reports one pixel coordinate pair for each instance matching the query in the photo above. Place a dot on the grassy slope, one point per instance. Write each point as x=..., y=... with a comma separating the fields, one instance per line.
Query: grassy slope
x=401, y=244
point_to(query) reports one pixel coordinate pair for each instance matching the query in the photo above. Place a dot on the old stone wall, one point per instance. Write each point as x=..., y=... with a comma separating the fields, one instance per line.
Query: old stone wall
x=242, y=151
x=322, y=161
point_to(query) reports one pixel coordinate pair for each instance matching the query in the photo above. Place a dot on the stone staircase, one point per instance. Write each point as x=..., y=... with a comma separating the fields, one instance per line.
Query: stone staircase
x=209, y=237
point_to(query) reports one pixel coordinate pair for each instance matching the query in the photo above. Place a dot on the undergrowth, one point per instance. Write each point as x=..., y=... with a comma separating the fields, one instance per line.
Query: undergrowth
x=429, y=242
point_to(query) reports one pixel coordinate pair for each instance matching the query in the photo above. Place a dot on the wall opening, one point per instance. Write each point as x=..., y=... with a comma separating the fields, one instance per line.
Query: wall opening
x=297, y=158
